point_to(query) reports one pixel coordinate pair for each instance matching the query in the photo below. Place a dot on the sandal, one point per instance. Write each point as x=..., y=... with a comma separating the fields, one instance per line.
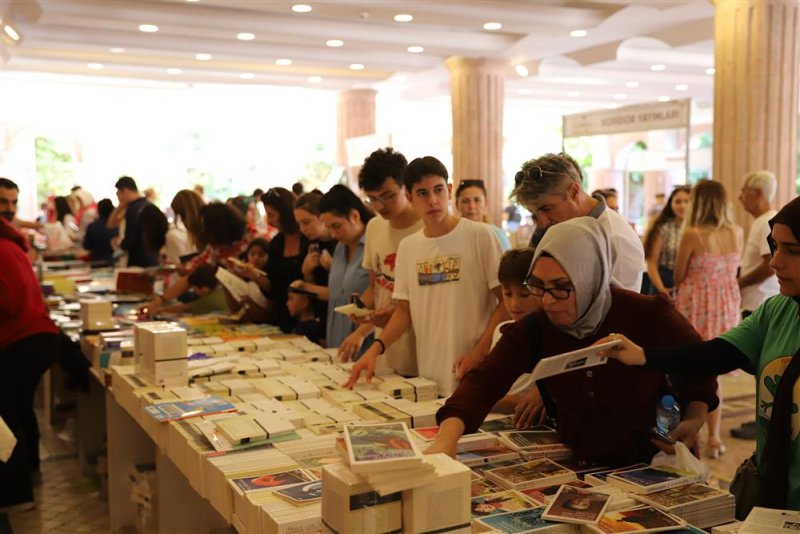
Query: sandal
x=715, y=449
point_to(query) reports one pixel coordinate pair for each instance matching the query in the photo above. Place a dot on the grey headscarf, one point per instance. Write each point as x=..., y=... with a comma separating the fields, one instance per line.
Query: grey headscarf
x=582, y=248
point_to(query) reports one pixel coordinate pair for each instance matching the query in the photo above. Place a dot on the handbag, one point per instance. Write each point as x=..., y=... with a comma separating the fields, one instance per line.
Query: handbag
x=745, y=487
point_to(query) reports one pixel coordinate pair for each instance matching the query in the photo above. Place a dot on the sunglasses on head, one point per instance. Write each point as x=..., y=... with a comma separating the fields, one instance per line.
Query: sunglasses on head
x=530, y=174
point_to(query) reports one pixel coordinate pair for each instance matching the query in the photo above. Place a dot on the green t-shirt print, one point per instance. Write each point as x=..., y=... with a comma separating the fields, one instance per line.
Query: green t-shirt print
x=769, y=338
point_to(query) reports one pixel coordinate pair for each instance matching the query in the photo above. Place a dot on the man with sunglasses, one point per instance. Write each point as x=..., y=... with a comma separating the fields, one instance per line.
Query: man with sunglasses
x=551, y=188
x=381, y=178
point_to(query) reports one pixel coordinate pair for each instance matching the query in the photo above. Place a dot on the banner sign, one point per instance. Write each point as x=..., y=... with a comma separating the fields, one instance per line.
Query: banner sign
x=655, y=116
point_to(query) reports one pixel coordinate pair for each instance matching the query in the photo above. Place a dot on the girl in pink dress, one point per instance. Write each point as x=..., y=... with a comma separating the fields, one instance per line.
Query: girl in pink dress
x=705, y=274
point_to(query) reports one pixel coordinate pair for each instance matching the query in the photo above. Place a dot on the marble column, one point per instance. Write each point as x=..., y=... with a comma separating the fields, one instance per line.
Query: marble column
x=356, y=117
x=757, y=62
x=476, y=89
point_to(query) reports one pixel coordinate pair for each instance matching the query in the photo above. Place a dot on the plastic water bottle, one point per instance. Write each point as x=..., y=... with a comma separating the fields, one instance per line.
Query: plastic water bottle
x=668, y=414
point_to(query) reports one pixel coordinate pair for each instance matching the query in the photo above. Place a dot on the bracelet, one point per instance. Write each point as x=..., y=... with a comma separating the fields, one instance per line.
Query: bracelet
x=383, y=345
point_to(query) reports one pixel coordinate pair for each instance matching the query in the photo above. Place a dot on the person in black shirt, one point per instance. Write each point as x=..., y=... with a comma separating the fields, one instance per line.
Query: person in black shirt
x=301, y=307
x=131, y=202
x=98, y=235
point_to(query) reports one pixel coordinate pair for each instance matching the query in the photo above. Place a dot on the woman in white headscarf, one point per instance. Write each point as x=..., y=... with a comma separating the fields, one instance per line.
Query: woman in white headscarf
x=603, y=413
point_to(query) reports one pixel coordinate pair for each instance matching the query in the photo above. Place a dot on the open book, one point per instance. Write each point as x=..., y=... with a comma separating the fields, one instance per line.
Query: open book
x=239, y=288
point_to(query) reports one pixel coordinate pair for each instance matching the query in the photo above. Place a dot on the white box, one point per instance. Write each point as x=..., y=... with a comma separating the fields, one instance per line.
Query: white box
x=96, y=314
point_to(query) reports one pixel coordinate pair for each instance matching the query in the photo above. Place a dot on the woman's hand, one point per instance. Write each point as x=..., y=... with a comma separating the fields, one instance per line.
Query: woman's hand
x=326, y=260
x=529, y=410
x=626, y=351
x=350, y=346
x=686, y=432
x=311, y=262
x=366, y=363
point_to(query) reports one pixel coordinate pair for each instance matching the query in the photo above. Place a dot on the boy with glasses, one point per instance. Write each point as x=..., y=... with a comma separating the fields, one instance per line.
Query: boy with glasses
x=381, y=178
x=446, y=284
x=551, y=188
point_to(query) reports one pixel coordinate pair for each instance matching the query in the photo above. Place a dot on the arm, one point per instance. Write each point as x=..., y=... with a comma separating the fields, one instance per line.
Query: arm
x=471, y=359
x=687, y=247
x=757, y=275
x=322, y=292
x=30, y=225
x=652, y=263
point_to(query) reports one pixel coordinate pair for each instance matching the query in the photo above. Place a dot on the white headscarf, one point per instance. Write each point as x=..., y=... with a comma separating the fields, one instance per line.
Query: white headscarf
x=582, y=248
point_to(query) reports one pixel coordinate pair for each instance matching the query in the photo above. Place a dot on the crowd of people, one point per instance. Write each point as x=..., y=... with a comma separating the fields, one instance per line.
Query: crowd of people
x=451, y=301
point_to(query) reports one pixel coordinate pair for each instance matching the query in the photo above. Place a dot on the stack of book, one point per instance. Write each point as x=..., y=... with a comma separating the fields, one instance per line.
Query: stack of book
x=414, y=389
x=532, y=474
x=698, y=504
x=421, y=413
x=532, y=444
x=528, y=520
x=380, y=412
x=646, y=480
x=638, y=519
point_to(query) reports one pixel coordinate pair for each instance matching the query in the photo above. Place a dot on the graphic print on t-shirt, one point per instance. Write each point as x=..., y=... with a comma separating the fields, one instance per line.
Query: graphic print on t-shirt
x=384, y=271
x=439, y=270
x=768, y=387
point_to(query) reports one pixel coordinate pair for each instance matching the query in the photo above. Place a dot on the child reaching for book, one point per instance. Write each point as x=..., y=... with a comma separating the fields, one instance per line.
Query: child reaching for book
x=211, y=297
x=301, y=307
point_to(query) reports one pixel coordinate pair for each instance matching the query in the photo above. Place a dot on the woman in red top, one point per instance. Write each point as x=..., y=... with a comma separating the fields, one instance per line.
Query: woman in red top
x=28, y=346
x=602, y=413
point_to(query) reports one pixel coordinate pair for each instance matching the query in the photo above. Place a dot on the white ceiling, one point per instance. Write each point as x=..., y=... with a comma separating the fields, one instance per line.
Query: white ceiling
x=623, y=41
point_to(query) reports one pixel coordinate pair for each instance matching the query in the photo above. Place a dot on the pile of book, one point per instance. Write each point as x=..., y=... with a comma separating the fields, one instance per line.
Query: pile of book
x=532, y=444
x=698, y=504
x=769, y=520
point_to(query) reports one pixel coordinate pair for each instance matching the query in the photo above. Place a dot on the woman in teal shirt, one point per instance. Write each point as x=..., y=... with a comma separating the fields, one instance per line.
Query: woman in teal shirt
x=766, y=344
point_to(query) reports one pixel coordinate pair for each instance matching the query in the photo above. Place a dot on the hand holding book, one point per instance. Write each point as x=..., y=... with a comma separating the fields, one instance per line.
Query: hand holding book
x=626, y=351
x=529, y=410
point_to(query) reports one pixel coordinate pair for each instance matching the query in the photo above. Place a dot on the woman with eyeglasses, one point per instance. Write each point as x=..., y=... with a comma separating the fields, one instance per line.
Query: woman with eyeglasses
x=603, y=413
x=286, y=251
x=471, y=204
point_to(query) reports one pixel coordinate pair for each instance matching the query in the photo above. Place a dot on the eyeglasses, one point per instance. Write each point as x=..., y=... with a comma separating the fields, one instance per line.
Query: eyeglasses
x=383, y=199
x=530, y=174
x=557, y=292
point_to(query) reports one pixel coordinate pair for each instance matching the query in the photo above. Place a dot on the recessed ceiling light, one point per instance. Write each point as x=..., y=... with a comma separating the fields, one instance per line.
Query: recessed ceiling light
x=620, y=96
x=335, y=43
x=681, y=87
x=117, y=50
x=283, y=62
x=148, y=28
x=357, y=66
x=492, y=26
x=314, y=79
x=301, y=8
x=202, y=57
x=174, y=72
x=416, y=49
x=711, y=71
x=664, y=99
x=658, y=67
x=11, y=32
x=573, y=94
x=95, y=66
x=403, y=17
x=632, y=85
x=522, y=70
x=245, y=36
x=578, y=33
x=525, y=91
x=247, y=76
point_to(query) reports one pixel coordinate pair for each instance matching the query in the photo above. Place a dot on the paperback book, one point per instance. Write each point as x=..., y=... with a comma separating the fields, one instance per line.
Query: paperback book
x=571, y=361
x=544, y=495
x=522, y=521
x=640, y=519
x=652, y=479
x=576, y=505
x=498, y=503
x=487, y=455
x=174, y=411
x=271, y=480
x=536, y=473
x=303, y=493
x=381, y=447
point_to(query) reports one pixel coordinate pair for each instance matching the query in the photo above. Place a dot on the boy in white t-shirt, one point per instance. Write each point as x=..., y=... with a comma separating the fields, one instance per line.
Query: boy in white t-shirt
x=381, y=178
x=446, y=285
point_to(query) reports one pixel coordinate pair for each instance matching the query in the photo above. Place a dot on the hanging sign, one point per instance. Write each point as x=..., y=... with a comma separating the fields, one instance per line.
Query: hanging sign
x=656, y=116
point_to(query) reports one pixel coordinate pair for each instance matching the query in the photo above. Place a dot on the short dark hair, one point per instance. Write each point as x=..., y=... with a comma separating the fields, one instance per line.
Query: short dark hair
x=104, y=208
x=221, y=224
x=550, y=174
x=379, y=166
x=153, y=226
x=422, y=167
x=204, y=276
x=514, y=266
x=5, y=183
x=126, y=182
x=309, y=202
x=298, y=189
x=282, y=200
x=340, y=200
x=259, y=242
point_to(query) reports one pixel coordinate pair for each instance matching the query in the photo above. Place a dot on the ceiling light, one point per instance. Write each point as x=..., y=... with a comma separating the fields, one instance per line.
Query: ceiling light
x=664, y=99
x=578, y=33
x=632, y=85
x=658, y=67
x=247, y=76
x=301, y=8
x=416, y=49
x=174, y=72
x=335, y=43
x=573, y=94
x=711, y=71
x=525, y=91
x=148, y=28
x=202, y=57
x=314, y=79
x=681, y=87
x=492, y=26
x=283, y=62
x=522, y=70
x=117, y=50
x=620, y=96
x=95, y=66
x=403, y=17
x=244, y=36
x=357, y=66
x=11, y=32
x=192, y=0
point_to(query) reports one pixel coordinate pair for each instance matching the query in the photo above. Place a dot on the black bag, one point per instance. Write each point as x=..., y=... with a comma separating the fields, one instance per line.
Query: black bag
x=745, y=487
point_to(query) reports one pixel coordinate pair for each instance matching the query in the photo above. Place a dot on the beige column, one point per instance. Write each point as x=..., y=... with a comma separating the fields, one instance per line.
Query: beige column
x=757, y=61
x=356, y=117
x=476, y=89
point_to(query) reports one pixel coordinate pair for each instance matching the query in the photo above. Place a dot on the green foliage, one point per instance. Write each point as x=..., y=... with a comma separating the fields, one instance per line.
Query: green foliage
x=53, y=169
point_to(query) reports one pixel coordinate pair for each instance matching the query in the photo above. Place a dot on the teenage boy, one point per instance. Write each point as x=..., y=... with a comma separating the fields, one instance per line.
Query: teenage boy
x=551, y=188
x=446, y=284
x=381, y=178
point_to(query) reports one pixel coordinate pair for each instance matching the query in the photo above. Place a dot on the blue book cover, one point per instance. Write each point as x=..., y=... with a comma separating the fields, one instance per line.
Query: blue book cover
x=520, y=521
x=172, y=411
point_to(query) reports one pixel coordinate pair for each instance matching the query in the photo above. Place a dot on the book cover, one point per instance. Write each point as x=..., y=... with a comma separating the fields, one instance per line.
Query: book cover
x=380, y=445
x=600, y=477
x=302, y=493
x=576, y=505
x=487, y=455
x=643, y=518
x=271, y=481
x=498, y=425
x=545, y=494
x=529, y=471
x=652, y=479
x=427, y=433
x=481, y=486
x=571, y=361
x=173, y=411
x=530, y=438
x=517, y=522
x=498, y=503
x=679, y=496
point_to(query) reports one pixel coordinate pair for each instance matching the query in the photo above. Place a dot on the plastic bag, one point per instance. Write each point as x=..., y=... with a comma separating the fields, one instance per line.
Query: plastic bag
x=7, y=441
x=682, y=460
